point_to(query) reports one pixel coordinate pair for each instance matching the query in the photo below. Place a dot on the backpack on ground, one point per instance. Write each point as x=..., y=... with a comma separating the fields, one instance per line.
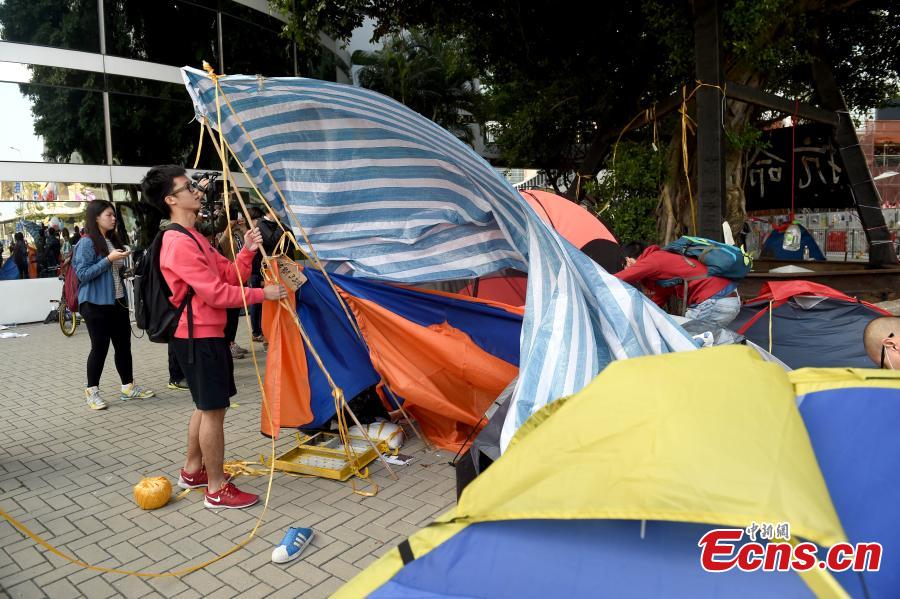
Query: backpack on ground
x=153, y=312
x=720, y=259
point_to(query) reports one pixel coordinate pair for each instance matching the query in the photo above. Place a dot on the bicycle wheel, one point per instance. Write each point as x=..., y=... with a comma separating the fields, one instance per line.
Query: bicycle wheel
x=68, y=321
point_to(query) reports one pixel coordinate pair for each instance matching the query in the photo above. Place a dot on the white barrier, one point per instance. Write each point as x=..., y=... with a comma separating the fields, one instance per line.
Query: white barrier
x=28, y=300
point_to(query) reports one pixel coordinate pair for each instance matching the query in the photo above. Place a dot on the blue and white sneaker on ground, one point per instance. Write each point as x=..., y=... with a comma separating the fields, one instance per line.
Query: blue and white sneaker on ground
x=292, y=545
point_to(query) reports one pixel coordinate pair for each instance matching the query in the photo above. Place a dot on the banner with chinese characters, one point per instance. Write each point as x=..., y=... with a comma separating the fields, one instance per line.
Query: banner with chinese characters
x=819, y=177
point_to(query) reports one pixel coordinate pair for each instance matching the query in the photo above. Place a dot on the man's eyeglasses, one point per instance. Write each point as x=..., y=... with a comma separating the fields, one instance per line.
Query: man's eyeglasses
x=884, y=350
x=190, y=186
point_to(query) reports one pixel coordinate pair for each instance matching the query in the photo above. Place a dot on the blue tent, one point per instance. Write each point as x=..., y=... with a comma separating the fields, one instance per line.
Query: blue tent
x=853, y=430
x=774, y=247
x=808, y=325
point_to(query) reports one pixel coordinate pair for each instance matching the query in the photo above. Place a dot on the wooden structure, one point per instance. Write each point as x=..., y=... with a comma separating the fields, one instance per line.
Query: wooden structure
x=710, y=147
x=867, y=282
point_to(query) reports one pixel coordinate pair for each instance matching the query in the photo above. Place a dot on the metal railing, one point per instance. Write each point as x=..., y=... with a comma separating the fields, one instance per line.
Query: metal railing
x=541, y=181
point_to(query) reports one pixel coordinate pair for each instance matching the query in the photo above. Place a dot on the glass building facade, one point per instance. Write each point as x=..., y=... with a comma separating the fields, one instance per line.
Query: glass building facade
x=91, y=91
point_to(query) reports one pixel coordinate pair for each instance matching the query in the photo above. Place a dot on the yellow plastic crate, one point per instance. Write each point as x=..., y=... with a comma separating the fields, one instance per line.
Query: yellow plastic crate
x=323, y=455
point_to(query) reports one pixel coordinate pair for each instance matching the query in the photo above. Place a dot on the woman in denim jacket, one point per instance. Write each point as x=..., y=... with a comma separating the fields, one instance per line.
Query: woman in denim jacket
x=103, y=303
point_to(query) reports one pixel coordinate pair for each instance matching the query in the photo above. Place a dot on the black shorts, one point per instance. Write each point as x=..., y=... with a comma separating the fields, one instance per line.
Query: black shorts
x=211, y=376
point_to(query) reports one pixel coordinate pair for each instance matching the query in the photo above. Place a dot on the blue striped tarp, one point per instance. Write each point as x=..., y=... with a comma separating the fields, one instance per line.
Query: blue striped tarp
x=386, y=194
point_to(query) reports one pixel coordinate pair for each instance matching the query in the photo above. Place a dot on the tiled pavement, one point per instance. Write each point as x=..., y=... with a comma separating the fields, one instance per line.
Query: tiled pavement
x=67, y=473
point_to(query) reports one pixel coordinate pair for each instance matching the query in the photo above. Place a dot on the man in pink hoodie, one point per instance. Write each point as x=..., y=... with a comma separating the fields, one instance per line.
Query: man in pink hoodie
x=189, y=262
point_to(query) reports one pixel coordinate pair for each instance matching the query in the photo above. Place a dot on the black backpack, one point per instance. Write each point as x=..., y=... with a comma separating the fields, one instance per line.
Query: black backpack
x=153, y=312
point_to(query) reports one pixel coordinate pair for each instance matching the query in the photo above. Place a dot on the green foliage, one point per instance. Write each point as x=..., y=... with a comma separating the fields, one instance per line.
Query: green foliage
x=552, y=84
x=750, y=27
x=671, y=23
x=149, y=119
x=78, y=121
x=52, y=23
x=69, y=120
x=556, y=85
x=863, y=41
x=428, y=73
x=761, y=34
x=320, y=63
x=628, y=191
x=537, y=126
x=68, y=104
x=771, y=43
x=307, y=18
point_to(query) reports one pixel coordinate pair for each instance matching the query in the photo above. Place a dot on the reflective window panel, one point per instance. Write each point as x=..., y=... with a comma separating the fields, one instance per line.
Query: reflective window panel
x=252, y=49
x=45, y=123
x=173, y=33
x=148, y=131
x=72, y=25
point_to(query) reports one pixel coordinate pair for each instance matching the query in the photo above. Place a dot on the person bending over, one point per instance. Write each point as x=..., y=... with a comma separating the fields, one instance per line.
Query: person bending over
x=709, y=299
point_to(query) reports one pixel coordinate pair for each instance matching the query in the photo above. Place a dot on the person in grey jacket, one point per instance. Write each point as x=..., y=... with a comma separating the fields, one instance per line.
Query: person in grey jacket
x=103, y=303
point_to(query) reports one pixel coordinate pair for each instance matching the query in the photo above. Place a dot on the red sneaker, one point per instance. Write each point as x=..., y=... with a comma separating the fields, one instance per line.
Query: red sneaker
x=195, y=480
x=229, y=496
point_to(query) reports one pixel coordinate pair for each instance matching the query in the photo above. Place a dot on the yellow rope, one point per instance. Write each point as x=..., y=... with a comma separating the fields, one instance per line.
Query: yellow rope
x=644, y=113
x=337, y=393
x=199, y=148
x=316, y=261
x=686, y=124
x=285, y=232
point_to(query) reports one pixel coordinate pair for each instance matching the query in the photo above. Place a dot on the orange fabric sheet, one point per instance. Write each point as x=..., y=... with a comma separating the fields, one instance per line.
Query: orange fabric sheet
x=446, y=380
x=286, y=381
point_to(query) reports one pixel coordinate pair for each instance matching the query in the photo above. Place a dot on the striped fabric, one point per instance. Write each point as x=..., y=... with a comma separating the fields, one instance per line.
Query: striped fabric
x=386, y=194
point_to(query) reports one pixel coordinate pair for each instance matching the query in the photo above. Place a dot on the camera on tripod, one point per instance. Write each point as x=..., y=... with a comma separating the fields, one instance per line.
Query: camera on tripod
x=212, y=192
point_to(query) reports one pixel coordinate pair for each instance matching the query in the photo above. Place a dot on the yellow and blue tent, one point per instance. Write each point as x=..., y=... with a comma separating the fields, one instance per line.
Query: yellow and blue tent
x=852, y=416
x=607, y=493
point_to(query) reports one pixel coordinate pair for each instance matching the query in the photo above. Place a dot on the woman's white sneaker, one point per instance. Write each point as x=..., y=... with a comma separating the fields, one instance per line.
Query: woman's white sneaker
x=93, y=399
